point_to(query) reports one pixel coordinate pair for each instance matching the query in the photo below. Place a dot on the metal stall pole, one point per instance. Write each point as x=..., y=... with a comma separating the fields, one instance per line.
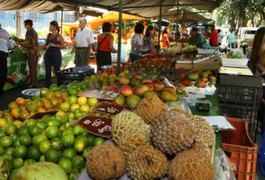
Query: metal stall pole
x=119, y=37
x=159, y=25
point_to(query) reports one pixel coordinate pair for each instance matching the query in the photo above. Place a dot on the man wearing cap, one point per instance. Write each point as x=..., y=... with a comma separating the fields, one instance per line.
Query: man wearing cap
x=83, y=44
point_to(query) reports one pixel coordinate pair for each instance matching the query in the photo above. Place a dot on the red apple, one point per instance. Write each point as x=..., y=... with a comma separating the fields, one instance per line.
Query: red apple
x=126, y=90
x=141, y=89
x=113, y=88
x=147, y=80
x=149, y=85
x=158, y=85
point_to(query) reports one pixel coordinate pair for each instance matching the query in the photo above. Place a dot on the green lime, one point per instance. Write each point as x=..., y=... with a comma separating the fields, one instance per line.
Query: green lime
x=21, y=151
x=78, y=162
x=86, y=151
x=6, y=141
x=52, y=132
x=18, y=162
x=79, y=130
x=31, y=122
x=36, y=140
x=44, y=146
x=23, y=130
x=29, y=161
x=10, y=129
x=69, y=153
x=69, y=130
x=16, y=142
x=2, y=134
x=68, y=140
x=11, y=151
x=33, y=153
x=99, y=141
x=25, y=140
x=91, y=139
x=66, y=164
x=51, y=155
x=46, y=117
x=57, y=144
x=42, y=158
x=71, y=116
x=2, y=150
x=80, y=143
x=34, y=130
x=54, y=122
x=64, y=119
x=42, y=125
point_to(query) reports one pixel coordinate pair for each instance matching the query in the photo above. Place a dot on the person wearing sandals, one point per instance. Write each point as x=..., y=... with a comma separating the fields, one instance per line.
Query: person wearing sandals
x=53, y=56
x=105, y=46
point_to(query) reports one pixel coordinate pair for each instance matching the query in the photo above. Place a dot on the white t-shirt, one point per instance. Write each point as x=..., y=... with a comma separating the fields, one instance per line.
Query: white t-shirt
x=138, y=41
x=5, y=41
x=84, y=37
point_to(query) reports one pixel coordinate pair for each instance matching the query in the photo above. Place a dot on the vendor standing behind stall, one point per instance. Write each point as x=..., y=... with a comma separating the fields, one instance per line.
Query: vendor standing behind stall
x=53, y=56
x=32, y=47
x=197, y=39
x=83, y=44
x=5, y=44
x=105, y=46
x=214, y=37
x=137, y=43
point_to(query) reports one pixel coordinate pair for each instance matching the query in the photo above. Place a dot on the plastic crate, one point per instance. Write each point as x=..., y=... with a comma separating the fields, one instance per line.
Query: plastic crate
x=240, y=149
x=74, y=74
x=240, y=97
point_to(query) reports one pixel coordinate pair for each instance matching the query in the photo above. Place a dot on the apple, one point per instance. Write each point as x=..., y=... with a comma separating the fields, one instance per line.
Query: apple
x=147, y=81
x=92, y=101
x=149, y=85
x=126, y=90
x=124, y=80
x=193, y=76
x=85, y=108
x=132, y=101
x=113, y=88
x=135, y=82
x=72, y=99
x=149, y=93
x=141, y=89
x=120, y=100
x=82, y=100
x=186, y=82
x=65, y=106
x=158, y=85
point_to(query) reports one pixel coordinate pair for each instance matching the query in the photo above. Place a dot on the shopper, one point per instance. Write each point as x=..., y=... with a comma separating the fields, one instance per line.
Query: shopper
x=5, y=44
x=83, y=44
x=32, y=48
x=231, y=38
x=53, y=56
x=105, y=46
x=165, y=38
x=137, y=43
x=147, y=40
x=214, y=37
x=197, y=39
x=220, y=36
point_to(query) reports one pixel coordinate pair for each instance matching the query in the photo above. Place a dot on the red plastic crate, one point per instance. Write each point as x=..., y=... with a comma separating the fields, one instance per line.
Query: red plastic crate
x=240, y=149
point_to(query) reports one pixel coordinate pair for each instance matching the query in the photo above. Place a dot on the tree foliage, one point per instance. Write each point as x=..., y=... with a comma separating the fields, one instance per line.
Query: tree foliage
x=238, y=13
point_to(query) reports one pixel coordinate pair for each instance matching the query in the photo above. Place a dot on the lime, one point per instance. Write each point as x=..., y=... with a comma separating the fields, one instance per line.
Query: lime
x=44, y=146
x=69, y=153
x=10, y=129
x=16, y=142
x=57, y=144
x=68, y=140
x=79, y=130
x=21, y=151
x=23, y=130
x=42, y=158
x=25, y=140
x=71, y=116
x=33, y=153
x=86, y=151
x=34, y=130
x=6, y=141
x=46, y=117
x=31, y=122
x=64, y=119
x=66, y=164
x=51, y=155
x=18, y=162
x=42, y=125
x=36, y=140
x=2, y=134
x=54, y=122
x=91, y=139
x=52, y=132
x=29, y=161
x=78, y=162
x=80, y=143
x=99, y=140
x=11, y=151
x=2, y=150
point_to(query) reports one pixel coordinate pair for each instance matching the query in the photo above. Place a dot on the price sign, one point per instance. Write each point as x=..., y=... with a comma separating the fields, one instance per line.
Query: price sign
x=97, y=125
x=109, y=107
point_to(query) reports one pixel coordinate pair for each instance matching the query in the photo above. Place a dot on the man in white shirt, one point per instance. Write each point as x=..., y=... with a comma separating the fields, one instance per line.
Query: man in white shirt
x=83, y=44
x=5, y=44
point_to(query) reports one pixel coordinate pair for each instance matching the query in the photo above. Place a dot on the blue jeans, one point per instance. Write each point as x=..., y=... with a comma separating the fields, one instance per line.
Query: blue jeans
x=134, y=57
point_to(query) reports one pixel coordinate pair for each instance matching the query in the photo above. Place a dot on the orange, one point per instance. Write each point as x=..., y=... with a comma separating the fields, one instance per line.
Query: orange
x=20, y=101
x=54, y=102
x=58, y=94
x=24, y=114
x=41, y=110
x=65, y=96
x=15, y=113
